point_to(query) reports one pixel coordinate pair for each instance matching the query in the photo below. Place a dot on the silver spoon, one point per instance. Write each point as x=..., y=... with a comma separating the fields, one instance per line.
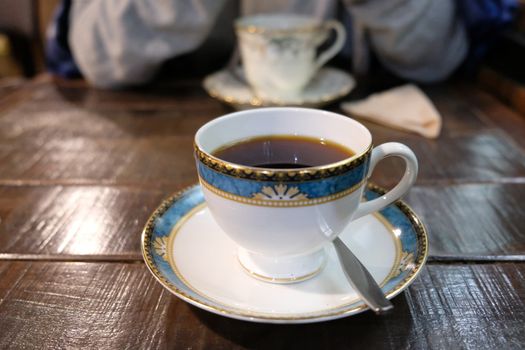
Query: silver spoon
x=361, y=279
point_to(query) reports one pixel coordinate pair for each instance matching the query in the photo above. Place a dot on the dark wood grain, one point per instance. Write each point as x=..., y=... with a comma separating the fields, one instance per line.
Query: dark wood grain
x=485, y=156
x=473, y=220
x=81, y=170
x=112, y=305
x=508, y=90
x=49, y=139
x=496, y=114
x=8, y=86
x=12, y=95
x=185, y=96
x=480, y=140
x=151, y=161
x=74, y=220
x=27, y=121
x=98, y=222
x=79, y=305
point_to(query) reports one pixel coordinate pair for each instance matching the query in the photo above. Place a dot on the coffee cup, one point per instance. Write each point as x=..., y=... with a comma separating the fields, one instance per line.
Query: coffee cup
x=282, y=219
x=279, y=52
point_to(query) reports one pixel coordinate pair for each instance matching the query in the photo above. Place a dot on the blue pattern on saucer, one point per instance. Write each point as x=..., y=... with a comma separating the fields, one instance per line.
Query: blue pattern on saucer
x=163, y=226
x=408, y=238
x=188, y=200
x=154, y=242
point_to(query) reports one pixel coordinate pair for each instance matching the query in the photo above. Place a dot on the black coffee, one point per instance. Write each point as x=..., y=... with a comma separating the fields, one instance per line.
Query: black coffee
x=283, y=152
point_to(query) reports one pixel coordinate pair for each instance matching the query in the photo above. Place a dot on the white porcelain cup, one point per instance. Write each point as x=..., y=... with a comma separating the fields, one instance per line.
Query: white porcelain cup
x=279, y=52
x=282, y=219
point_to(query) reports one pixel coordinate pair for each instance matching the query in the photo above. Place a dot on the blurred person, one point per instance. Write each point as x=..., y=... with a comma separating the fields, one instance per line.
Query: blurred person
x=120, y=43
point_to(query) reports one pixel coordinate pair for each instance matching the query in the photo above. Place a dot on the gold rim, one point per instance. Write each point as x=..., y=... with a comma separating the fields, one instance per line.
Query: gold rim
x=281, y=175
x=422, y=249
x=255, y=29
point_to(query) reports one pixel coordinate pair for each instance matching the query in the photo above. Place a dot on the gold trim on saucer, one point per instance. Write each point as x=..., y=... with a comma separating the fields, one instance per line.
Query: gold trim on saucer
x=174, y=232
x=255, y=101
x=399, y=249
x=422, y=249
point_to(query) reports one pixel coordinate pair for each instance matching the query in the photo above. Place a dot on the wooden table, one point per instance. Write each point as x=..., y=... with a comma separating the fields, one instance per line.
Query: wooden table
x=81, y=170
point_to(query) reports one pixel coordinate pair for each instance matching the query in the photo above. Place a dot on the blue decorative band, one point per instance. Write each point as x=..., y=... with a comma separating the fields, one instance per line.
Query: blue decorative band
x=287, y=191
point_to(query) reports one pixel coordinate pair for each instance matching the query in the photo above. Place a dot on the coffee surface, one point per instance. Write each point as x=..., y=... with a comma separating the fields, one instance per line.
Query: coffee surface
x=283, y=152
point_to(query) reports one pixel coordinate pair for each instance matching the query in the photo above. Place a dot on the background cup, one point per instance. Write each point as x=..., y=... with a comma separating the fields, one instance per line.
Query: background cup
x=279, y=52
x=282, y=219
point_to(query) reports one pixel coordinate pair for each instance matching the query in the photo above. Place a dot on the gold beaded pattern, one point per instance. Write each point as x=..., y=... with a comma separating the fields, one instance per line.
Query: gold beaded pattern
x=262, y=174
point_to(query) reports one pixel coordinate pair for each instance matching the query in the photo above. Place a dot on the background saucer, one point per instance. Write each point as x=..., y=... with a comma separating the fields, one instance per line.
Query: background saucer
x=190, y=256
x=327, y=86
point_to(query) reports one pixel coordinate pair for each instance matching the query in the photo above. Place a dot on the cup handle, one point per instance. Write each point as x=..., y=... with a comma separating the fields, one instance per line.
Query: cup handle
x=340, y=37
x=388, y=150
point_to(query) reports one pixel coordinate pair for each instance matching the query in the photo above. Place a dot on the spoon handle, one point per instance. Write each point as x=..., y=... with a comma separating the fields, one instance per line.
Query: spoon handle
x=361, y=279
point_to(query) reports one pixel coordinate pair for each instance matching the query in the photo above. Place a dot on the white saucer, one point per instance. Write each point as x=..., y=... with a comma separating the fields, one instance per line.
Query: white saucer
x=328, y=85
x=193, y=258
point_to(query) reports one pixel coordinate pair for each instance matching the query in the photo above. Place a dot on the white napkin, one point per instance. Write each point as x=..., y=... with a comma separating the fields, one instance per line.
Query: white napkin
x=405, y=107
